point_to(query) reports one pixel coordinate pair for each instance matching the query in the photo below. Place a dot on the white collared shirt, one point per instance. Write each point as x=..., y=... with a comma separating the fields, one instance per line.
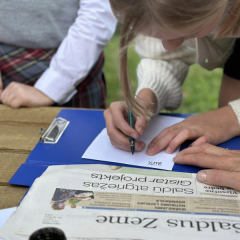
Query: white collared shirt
x=79, y=51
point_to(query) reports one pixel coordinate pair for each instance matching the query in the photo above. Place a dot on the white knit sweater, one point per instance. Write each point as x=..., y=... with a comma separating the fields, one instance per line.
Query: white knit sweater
x=164, y=72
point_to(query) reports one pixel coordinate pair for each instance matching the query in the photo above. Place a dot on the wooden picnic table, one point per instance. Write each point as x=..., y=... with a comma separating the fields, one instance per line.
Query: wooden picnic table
x=19, y=134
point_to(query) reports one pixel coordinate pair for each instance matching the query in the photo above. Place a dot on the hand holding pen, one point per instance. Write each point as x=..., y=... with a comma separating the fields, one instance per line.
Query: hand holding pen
x=119, y=130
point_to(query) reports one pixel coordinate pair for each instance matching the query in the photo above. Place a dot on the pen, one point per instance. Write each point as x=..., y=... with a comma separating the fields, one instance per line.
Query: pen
x=131, y=123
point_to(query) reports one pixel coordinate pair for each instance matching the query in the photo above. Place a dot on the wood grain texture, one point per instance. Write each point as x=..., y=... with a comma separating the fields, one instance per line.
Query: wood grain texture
x=30, y=116
x=10, y=162
x=19, y=134
x=11, y=196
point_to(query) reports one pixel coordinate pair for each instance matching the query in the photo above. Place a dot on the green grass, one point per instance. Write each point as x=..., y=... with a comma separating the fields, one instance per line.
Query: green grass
x=200, y=90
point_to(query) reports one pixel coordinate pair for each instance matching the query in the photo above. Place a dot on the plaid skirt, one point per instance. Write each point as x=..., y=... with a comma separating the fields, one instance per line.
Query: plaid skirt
x=27, y=65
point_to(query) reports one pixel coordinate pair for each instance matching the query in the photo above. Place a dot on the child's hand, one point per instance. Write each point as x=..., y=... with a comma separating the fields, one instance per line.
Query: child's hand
x=211, y=127
x=224, y=164
x=20, y=95
x=119, y=130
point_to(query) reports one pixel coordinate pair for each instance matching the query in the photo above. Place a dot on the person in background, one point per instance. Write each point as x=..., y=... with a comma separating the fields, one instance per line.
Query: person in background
x=169, y=38
x=51, y=52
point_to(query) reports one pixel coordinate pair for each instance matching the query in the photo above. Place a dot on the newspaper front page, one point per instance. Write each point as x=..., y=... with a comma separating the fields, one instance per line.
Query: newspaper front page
x=96, y=202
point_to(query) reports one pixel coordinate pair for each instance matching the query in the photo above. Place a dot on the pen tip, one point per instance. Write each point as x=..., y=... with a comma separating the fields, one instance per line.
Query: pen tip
x=132, y=150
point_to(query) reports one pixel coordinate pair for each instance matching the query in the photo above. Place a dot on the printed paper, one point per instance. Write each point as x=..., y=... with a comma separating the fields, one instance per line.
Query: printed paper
x=124, y=204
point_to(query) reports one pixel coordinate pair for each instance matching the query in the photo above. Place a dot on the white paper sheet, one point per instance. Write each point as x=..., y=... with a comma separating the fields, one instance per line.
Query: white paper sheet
x=4, y=215
x=101, y=148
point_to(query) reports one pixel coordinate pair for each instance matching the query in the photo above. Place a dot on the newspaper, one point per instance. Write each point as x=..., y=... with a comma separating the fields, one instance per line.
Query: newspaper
x=97, y=202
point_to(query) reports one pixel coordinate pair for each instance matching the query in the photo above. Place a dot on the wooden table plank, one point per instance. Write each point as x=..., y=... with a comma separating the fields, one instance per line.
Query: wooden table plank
x=10, y=162
x=28, y=115
x=19, y=134
x=11, y=196
x=20, y=139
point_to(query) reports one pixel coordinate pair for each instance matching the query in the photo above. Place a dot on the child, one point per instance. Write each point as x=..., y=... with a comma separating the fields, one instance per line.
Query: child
x=68, y=35
x=169, y=37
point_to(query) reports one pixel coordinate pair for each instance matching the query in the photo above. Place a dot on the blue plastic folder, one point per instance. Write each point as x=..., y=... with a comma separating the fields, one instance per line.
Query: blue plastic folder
x=84, y=127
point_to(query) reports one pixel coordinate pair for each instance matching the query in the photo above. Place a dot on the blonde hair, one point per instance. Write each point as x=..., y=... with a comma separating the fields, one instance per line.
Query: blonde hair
x=138, y=15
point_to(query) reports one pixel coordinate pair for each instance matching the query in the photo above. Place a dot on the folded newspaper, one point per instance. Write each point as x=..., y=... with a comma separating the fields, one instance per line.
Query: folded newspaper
x=100, y=202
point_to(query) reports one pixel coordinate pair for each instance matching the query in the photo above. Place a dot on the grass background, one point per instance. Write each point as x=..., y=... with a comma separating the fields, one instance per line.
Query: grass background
x=200, y=90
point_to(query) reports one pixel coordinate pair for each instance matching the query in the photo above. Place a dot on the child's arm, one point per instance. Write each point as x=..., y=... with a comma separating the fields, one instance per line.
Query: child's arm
x=79, y=51
x=76, y=55
x=160, y=75
x=162, y=71
x=213, y=127
x=19, y=94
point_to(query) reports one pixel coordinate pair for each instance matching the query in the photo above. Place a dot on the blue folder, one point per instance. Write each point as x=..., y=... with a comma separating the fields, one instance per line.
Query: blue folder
x=84, y=126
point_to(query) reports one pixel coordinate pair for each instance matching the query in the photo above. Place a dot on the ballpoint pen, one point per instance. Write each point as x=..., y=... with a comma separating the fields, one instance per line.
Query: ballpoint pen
x=132, y=124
